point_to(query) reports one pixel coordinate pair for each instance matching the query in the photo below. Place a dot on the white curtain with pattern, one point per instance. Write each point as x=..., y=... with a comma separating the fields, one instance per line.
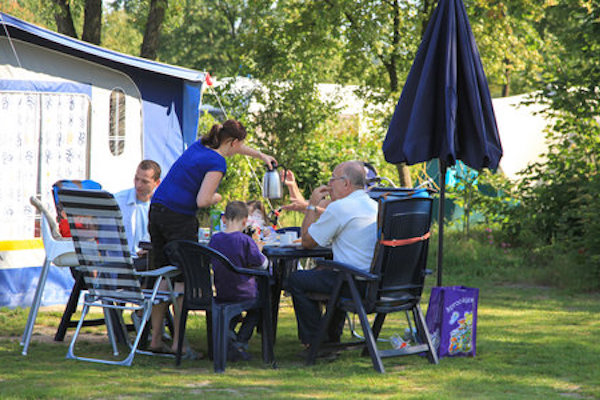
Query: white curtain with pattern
x=29, y=165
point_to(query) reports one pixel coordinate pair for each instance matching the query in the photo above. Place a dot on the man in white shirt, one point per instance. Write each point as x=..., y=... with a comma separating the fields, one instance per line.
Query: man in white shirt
x=134, y=204
x=349, y=226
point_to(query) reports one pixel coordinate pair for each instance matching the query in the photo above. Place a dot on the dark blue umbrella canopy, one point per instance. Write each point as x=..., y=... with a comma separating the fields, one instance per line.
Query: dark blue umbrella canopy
x=445, y=110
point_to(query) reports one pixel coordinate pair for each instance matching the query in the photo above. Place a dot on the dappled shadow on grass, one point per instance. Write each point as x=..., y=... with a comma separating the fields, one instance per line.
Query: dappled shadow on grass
x=532, y=343
x=535, y=342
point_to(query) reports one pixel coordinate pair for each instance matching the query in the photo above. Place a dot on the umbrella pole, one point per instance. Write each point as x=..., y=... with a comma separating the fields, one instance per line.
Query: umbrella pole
x=441, y=215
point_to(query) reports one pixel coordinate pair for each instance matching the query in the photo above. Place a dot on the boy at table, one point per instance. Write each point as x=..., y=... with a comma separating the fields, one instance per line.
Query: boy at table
x=243, y=252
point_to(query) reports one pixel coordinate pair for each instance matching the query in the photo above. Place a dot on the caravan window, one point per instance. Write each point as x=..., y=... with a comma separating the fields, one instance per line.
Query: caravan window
x=116, y=134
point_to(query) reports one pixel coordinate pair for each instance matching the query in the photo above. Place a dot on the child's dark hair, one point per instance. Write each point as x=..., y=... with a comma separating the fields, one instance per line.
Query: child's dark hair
x=236, y=210
x=218, y=134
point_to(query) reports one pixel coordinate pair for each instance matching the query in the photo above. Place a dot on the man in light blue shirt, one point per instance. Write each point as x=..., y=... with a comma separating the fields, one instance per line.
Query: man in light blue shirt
x=134, y=204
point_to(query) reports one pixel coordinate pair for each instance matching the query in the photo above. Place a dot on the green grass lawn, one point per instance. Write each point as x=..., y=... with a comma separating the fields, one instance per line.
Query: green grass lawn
x=532, y=343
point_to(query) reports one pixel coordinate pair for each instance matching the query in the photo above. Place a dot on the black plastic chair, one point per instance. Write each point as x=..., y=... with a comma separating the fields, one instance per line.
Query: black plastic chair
x=195, y=261
x=394, y=283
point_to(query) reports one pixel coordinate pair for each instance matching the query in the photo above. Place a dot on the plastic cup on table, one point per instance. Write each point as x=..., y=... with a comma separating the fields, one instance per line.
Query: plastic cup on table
x=293, y=235
x=286, y=239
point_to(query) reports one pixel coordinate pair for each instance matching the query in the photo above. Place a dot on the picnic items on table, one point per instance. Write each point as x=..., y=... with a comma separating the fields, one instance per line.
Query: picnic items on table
x=283, y=238
x=452, y=320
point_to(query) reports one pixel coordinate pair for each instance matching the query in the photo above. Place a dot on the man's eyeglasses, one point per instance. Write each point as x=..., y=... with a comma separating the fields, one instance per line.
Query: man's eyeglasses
x=333, y=178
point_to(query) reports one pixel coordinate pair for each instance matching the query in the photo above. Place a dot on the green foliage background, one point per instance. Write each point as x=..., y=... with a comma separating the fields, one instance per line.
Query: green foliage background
x=550, y=48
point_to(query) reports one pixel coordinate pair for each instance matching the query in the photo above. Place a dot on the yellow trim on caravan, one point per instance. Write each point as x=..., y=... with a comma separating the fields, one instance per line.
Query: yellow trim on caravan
x=27, y=244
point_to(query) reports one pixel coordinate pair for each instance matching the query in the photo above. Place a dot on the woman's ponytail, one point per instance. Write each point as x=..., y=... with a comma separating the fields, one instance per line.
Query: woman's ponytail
x=211, y=139
x=218, y=134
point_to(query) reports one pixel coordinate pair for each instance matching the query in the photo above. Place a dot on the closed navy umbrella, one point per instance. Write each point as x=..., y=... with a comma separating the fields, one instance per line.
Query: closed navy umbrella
x=445, y=109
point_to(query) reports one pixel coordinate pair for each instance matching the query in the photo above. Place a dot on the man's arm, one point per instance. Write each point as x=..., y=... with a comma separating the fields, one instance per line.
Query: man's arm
x=290, y=181
x=311, y=216
x=300, y=206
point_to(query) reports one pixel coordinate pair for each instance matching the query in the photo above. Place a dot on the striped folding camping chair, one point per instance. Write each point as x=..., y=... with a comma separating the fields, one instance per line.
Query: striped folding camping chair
x=105, y=262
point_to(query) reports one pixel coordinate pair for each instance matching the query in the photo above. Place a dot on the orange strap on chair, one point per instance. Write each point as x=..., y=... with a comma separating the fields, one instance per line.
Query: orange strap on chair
x=407, y=194
x=405, y=242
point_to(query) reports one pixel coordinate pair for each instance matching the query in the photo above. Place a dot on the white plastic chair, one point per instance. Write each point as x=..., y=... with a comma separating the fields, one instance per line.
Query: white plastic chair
x=59, y=251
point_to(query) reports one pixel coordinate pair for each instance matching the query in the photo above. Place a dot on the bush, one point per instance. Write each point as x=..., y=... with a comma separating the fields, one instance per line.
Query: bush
x=558, y=209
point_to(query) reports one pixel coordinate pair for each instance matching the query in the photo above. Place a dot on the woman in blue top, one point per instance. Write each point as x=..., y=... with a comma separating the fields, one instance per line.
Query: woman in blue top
x=190, y=184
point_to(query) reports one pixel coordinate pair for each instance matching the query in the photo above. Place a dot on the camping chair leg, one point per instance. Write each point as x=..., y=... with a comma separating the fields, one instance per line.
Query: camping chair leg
x=410, y=327
x=171, y=318
x=70, y=308
x=182, y=322
x=123, y=327
x=219, y=336
x=352, y=326
x=134, y=347
x=364, y=321
x=377, y=324
x=325, y=321
x=110, y=331
x=70, y=352
x=267, y=331
x=35, y=306
x=422, y=326
x=209, y=334
x=355, y=334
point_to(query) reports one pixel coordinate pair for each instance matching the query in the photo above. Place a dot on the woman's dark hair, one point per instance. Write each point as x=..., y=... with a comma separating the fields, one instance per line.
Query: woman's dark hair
x=218, y=134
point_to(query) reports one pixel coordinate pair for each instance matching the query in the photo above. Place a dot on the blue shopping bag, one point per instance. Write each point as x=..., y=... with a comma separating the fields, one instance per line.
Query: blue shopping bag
x=452, y=320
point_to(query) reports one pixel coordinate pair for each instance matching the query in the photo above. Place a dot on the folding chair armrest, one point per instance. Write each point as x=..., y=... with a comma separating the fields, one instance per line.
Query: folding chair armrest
x=253, y=272
x=145, y=245
x=347, y=268
x=168, y=271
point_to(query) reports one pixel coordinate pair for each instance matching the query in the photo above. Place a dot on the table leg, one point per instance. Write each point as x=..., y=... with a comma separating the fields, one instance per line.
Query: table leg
x=276, y=293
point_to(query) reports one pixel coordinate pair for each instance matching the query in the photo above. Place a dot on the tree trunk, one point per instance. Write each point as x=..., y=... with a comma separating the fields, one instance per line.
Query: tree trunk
x=92, y=21
x=391, y=66
x=403, y=171
x=63, y=18
x=506, y=87
x=428, y=6
x=404, y=175
x=156, y=16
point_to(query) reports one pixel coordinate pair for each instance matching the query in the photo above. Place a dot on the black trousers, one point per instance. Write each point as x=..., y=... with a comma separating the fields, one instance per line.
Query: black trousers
x=164, y=226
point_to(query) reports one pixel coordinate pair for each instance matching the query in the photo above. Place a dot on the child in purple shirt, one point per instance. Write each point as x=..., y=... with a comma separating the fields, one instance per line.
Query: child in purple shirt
x=243, y=252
